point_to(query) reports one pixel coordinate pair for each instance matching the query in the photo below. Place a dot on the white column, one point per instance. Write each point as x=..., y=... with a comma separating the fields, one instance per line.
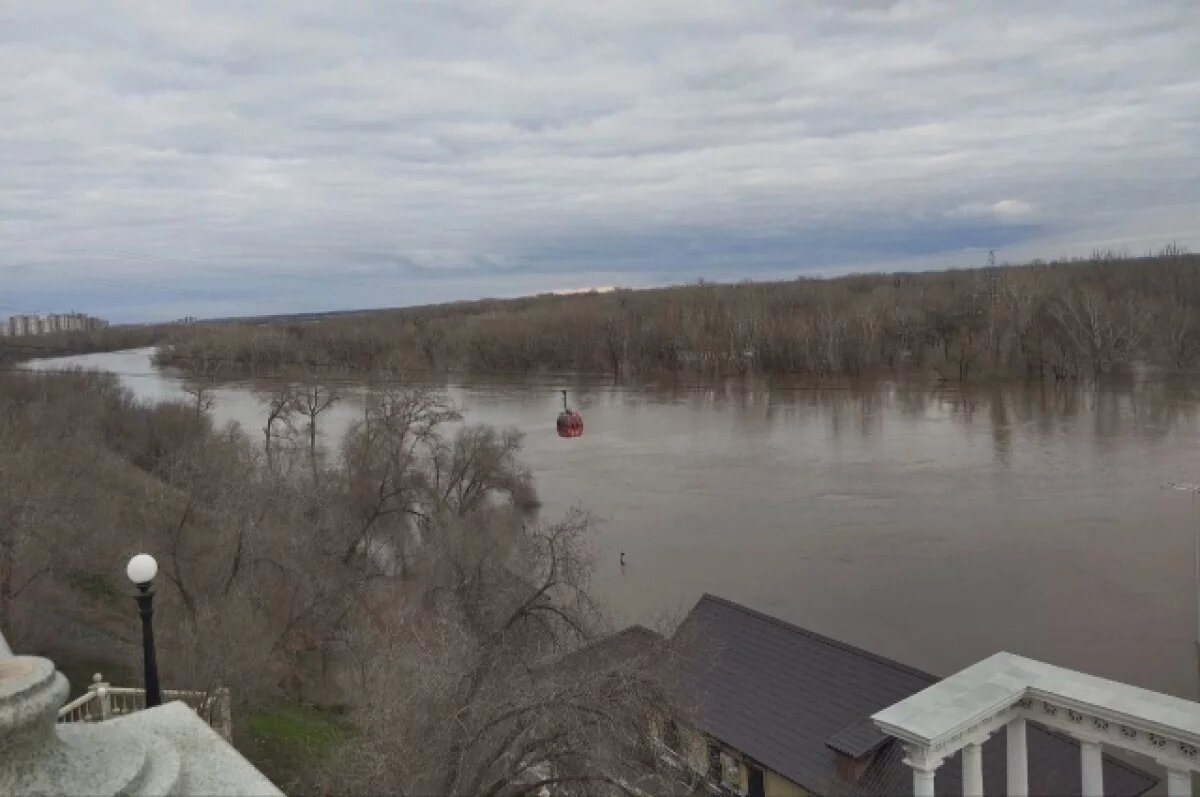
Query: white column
x=1018, y=760
x=1179, y=783
x=972, y=764
x=1092, y=759
x=923, y=782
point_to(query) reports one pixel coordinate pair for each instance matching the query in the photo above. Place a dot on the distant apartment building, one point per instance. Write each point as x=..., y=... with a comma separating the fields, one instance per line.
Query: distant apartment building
x=26, y=325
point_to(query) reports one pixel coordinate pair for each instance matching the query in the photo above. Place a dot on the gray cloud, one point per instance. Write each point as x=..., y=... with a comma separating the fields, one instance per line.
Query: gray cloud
x=218, y=157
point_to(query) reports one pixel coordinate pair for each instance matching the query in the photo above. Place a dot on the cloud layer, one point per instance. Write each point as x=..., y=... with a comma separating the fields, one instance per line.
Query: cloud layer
x=212, y=158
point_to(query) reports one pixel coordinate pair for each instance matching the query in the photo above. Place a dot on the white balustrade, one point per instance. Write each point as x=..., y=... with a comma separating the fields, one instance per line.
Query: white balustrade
x=1004, y=691
x=77, y=710
x=102, y=702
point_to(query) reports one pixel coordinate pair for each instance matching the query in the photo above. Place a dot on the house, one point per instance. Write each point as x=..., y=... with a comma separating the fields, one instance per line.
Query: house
x=769, y=709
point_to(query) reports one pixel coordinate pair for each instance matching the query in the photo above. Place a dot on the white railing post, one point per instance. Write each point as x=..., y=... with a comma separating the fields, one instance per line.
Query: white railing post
x=99, y=707
x=1091, y=757
x=223, y=714
x=972, y=775
x=1018, y=759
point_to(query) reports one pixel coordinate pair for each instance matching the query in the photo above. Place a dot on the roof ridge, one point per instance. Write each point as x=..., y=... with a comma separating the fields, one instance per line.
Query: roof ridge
x=866, y=654
x=592, y=644
x=635, y=628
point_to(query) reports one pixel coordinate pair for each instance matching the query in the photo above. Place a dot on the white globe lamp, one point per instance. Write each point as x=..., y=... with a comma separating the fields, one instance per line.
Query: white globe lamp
x=142, y=569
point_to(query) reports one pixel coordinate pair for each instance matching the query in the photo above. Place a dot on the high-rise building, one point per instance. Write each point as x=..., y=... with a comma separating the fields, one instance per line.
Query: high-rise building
x=22, y=325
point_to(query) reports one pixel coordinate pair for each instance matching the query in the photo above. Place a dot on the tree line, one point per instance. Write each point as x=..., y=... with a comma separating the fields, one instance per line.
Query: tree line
x=1064, y=320
x=398, y=581
x=63, y=344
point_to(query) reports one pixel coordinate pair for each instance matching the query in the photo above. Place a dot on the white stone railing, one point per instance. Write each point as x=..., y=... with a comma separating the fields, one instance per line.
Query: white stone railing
x=1004, y=691
x=103, y=701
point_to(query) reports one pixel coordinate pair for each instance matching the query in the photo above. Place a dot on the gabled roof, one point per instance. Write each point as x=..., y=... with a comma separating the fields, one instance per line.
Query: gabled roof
x=794, y=700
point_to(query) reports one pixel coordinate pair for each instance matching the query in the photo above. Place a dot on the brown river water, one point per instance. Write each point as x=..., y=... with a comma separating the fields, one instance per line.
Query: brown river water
x=935, y=526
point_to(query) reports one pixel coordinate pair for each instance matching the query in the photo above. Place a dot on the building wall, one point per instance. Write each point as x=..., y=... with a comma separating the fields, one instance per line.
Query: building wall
x=693, y=749
x=742, y=780
x=779, y=786
x=20, y=325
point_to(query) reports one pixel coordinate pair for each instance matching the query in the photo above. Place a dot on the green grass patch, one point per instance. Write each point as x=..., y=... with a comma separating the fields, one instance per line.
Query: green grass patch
x=287, y=741
x=96, y=586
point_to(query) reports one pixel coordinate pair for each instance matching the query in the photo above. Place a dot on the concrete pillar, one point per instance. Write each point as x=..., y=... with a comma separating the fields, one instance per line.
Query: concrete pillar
x=972, y=764
x=1179, y=783
x=1091, y=756
x=1018, y=759
x=923, y=782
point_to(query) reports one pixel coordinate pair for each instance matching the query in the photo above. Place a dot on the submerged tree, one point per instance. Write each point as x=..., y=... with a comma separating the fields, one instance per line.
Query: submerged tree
x=311, y=399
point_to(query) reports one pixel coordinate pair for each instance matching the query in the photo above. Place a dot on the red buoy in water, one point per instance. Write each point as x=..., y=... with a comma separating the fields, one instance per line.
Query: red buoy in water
x=570, y=423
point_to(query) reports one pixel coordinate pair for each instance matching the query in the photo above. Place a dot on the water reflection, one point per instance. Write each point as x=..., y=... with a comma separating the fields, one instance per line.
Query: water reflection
x=1001, y=431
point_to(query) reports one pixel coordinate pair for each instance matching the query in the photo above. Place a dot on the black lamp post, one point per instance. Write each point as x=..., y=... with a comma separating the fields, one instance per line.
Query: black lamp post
x=141, y=571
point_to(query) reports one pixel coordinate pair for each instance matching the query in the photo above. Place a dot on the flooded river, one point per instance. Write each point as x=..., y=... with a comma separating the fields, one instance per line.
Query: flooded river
x=933, y=526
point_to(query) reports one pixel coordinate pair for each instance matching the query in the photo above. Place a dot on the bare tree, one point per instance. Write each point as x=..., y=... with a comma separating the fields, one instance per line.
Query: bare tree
x=311, y=399
x=280, y=405
x=1179, y=331
x=480, y=462
x=203, y=377
x=1103, y=328
x=616, y=343
x=386, y=459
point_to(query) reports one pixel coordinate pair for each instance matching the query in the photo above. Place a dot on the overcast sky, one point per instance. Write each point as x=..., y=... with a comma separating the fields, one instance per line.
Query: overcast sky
x=169, y=158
